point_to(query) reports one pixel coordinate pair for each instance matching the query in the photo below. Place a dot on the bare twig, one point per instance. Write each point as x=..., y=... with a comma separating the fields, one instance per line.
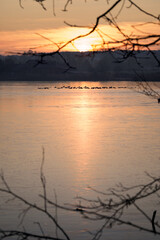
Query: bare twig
x=43, y=179
x=20, y=3
x=111, y=209
x=44, y=210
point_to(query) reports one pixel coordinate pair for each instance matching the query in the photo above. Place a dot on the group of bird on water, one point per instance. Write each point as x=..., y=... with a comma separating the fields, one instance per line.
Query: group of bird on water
x=80, y=87
x=86, y=87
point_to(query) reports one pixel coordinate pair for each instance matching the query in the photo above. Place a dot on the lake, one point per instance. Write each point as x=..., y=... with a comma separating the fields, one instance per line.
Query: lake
x=94, y=134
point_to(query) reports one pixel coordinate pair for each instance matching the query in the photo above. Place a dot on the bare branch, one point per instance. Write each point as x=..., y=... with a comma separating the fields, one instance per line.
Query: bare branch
x=20, y=3
x=41, y=3
x=153, y=223
x=111, y=209
x=142, y=10
x=43, y=179
x=54, y=13
x=66, y=5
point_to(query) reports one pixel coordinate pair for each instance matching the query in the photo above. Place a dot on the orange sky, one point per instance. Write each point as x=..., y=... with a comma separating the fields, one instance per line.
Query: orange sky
x=19, y=26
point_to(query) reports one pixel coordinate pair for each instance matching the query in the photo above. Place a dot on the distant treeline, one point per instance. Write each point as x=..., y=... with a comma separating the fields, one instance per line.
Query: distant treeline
x=95, y=66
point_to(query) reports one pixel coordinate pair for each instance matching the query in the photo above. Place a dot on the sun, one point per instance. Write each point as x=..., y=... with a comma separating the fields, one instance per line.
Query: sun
x=83, y=45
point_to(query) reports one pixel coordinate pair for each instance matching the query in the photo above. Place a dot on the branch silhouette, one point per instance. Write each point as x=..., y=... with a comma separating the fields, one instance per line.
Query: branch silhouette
x=128, y=42
x=110, y=207
x=28, y=206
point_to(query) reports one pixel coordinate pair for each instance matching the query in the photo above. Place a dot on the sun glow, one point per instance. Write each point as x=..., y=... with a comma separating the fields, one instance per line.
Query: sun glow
x=48, y=40
x=83, y=45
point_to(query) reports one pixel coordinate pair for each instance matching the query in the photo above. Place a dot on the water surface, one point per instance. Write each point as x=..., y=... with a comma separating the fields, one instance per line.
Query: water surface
x=92, y=137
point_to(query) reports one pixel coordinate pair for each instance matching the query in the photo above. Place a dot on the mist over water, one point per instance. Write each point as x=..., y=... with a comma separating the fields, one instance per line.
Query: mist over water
x=94, y=134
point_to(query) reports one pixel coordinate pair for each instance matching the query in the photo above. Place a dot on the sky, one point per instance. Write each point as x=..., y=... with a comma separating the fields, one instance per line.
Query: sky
x=32, y=27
